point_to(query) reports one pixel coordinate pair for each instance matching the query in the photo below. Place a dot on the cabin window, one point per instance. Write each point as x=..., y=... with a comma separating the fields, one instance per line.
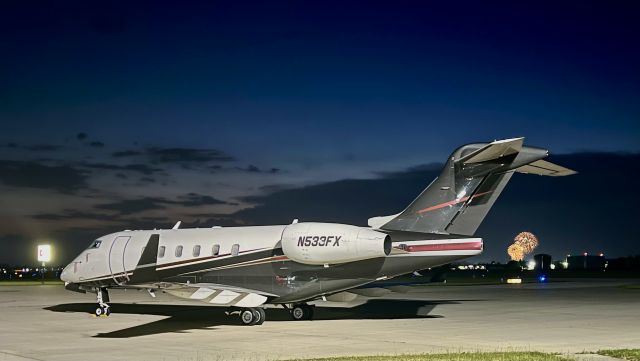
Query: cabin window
x=216, y=250
x=96, y=244
x=161, y=251
x=235, y=249
x=179, y=251
x=87, y=258
x=196, y=250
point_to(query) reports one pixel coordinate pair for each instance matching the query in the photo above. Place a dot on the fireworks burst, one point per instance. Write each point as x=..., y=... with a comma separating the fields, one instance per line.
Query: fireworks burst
x=527, y=241
x=516, y=252
x=524, y=243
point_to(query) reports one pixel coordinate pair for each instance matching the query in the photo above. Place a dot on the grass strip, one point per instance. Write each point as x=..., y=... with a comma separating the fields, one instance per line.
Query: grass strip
x=30, y=283
x=455, y=356
x=623, y=353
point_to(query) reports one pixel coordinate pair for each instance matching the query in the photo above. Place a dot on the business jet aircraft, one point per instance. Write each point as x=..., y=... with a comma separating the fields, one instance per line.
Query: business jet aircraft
x=245, y=268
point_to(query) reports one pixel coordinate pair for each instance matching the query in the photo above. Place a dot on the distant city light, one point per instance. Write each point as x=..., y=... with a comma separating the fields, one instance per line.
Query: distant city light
x=514, y=280
x=531, y=265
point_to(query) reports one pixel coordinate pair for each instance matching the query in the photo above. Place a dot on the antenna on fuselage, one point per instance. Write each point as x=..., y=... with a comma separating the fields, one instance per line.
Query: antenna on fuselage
x=177, y=225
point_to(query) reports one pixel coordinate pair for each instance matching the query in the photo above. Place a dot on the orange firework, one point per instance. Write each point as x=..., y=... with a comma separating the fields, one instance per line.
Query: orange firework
x=527, y=241
x=516, y=252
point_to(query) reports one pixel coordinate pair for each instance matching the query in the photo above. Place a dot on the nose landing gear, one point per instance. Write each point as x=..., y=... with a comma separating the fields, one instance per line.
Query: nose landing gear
x=103, y=309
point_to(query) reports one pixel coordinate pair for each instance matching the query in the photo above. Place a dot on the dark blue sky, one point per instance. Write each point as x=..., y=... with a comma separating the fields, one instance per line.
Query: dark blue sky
x=232, y=100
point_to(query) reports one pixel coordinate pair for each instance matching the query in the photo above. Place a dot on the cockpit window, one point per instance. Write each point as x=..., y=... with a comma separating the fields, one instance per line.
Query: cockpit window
x=96, y=244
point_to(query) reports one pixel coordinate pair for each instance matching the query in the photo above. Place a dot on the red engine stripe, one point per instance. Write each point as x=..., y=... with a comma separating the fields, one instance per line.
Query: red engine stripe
x=466, y=246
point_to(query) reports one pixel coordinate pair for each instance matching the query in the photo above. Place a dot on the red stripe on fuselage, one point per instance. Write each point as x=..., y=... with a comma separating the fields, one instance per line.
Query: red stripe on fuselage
x=451, y=203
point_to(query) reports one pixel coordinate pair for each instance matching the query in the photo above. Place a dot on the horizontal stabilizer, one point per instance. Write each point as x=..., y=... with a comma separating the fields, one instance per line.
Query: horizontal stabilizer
x=542, y=167
x=494, y=150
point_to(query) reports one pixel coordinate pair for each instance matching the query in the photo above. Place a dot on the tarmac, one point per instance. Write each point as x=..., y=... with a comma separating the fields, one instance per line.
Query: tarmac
x=49, y=323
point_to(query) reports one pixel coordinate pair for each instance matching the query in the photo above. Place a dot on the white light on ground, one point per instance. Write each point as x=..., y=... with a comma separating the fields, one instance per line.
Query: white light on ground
x=531, y=265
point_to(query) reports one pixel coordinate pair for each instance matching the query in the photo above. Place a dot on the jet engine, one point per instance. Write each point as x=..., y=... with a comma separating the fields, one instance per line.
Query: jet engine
x=328, y=243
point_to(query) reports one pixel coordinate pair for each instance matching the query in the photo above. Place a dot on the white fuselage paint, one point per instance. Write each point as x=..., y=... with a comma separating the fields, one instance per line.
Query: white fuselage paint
x=113, y=258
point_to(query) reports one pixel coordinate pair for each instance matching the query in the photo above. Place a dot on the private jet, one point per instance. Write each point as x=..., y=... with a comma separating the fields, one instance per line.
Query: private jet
x=245, y=269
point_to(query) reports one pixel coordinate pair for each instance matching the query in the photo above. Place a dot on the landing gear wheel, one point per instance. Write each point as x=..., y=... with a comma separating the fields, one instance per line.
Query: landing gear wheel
x=302, y=312
x=249, y=317
x=103, y=308
x=263, y=315
x=102, y=311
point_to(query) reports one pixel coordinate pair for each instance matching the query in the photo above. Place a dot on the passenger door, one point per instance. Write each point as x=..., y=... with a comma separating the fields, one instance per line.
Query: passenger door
x=116, y=259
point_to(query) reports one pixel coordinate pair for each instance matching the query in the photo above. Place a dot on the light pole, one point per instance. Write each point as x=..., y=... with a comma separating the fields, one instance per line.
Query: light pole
x=44, y=255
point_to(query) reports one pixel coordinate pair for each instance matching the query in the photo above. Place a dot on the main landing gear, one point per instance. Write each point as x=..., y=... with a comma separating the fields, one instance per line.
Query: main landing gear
x=103, y=309
x=250, y=316
x=302, y=311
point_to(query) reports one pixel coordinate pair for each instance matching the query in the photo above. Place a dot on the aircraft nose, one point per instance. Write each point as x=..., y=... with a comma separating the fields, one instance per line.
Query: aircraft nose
x=65, y=275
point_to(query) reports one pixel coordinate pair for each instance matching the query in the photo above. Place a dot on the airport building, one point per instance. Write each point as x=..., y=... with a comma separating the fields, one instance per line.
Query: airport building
x=586, y=262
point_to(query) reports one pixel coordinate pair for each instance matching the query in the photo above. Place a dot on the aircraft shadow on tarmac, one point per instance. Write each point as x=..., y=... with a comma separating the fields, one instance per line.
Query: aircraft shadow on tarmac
x=181, y=318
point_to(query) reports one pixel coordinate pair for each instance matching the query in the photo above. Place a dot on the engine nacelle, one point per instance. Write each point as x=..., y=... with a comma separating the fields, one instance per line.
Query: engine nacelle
x=328, y=243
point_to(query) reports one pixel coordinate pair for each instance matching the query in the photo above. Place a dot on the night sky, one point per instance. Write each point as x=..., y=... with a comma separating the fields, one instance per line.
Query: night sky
x=139, y=114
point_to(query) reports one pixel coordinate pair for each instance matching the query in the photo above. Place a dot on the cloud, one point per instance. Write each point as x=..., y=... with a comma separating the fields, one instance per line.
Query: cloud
x=177, y=155
x=43, y=147
x=194, y=200
x=131, y=206
x=141, y=168
x=125, y=153
x=254, y=169
x=36, y=147
x=96, y=144
x=33, y=174
x=74, y=214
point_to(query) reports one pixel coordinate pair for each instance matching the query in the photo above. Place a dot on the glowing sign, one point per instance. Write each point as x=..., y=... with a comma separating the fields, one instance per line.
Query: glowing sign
x=44, y=253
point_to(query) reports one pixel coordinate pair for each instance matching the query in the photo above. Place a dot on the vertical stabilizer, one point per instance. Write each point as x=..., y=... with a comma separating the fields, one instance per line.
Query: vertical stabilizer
x=472, y=179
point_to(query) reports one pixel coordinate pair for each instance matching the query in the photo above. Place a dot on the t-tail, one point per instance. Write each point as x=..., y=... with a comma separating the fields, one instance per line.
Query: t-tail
x=472, y=179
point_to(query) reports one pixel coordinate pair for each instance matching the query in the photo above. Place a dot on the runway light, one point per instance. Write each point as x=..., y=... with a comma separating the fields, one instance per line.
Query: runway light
x=542, y=278
x=514, y=280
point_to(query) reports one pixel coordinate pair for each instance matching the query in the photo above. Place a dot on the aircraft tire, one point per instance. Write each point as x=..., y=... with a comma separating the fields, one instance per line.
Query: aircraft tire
x=249, y=316
x=263, y=316
x=302, y=312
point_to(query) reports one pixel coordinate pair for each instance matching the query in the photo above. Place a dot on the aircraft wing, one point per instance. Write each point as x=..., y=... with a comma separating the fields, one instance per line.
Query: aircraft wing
x=217, y=294
x=542, y=167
